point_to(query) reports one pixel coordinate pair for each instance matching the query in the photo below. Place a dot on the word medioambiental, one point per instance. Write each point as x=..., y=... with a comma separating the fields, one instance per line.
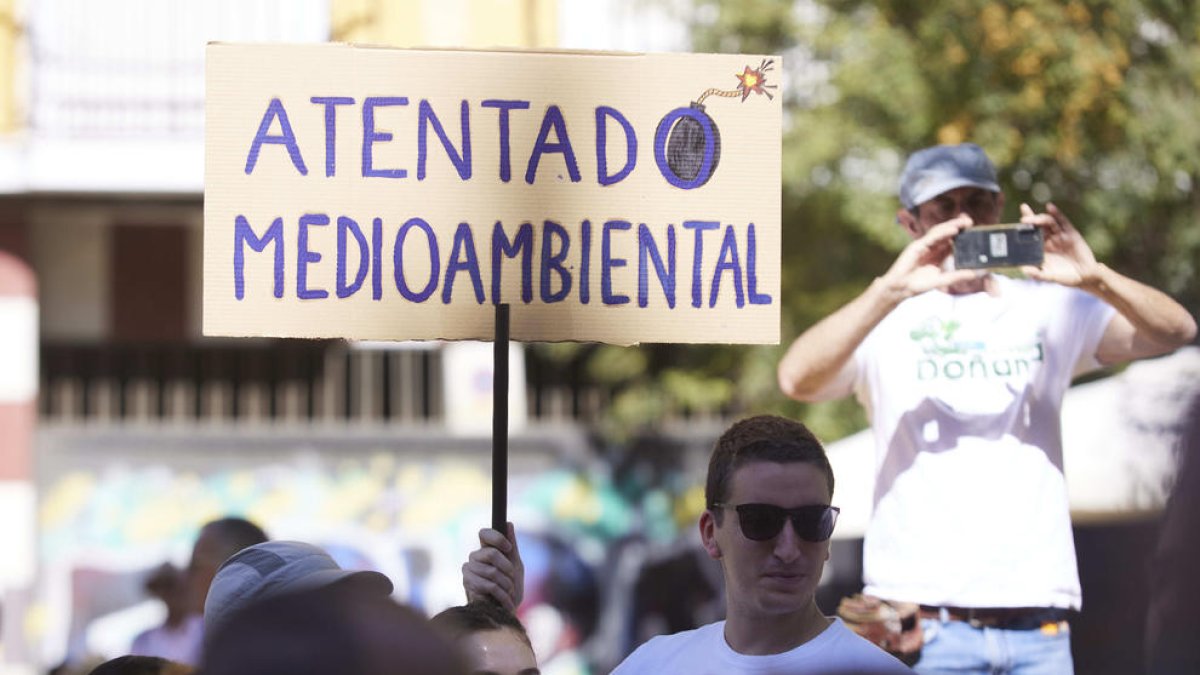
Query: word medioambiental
x=562, y=275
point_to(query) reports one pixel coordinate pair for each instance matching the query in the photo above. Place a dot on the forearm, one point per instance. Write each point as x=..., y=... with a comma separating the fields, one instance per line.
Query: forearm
x=816, y=357
x=1157, y=323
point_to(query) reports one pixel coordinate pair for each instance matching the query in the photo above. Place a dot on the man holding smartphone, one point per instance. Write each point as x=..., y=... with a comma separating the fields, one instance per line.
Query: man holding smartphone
x=963, y=374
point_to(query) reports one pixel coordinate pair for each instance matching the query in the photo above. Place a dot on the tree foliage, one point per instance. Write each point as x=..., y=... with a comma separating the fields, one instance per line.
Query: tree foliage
x=1088, y=104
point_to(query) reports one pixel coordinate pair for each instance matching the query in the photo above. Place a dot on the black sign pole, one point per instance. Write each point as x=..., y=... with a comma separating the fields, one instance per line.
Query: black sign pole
x=500, y=422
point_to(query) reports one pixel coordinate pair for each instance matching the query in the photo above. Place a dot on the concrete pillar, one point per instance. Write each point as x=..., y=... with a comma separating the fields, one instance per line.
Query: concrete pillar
x=18, y=414
x=11, y=34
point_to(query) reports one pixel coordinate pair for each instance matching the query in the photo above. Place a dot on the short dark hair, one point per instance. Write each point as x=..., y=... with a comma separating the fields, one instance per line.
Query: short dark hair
x=235, y=534
x=474, y=617
x=139, y=665
x=764, y=438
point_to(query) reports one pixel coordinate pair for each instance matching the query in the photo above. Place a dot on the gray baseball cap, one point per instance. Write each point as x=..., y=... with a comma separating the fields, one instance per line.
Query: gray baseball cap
x=942, y=168
x=276, y=568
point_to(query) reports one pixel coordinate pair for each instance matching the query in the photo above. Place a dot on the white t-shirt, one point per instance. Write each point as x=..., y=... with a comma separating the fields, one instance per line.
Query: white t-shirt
x=965, y=394
x=836, y=651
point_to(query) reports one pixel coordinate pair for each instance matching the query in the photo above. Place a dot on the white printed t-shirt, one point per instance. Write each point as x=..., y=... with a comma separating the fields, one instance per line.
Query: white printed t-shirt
x=703, y=651
x=965, y=393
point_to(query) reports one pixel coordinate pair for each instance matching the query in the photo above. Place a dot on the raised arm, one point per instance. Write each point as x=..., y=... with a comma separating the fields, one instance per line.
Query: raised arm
x=1148, y=321
x=818, y=356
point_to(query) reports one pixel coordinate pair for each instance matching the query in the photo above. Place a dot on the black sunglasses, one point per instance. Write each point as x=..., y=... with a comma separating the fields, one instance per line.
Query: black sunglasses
x=763, y=522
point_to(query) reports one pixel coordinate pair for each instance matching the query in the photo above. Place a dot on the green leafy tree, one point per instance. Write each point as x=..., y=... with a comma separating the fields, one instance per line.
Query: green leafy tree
x=1088, y=104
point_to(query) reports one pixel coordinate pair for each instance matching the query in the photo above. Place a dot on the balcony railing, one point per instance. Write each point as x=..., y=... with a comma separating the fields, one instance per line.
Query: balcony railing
x=266, y=382
x=287, y=381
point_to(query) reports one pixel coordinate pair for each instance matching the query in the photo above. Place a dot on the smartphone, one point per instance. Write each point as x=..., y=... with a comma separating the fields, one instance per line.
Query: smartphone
x=989, y=246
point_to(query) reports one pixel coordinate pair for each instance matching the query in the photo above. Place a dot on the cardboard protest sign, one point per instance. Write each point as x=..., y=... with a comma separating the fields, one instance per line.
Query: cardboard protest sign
x=399, y=194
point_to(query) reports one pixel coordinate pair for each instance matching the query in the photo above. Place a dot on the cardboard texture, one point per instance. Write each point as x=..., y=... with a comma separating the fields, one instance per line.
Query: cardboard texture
x=398, y=194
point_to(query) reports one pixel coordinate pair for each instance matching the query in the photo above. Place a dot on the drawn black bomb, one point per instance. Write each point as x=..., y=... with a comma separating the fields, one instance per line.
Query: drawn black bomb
x=691, y=138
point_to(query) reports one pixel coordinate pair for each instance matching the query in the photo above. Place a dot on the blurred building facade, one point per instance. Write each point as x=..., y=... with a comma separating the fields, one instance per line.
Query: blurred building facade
x=101, y=192
x=145, y=427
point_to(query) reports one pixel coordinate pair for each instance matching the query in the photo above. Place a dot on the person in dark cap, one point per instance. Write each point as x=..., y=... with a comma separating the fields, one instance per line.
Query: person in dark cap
x=963, y=374
x=340, y=627
x=277, y=568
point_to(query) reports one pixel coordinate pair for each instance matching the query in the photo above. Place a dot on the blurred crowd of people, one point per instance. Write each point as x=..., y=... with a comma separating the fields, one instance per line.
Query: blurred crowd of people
x=287, y=607
x=249, y=605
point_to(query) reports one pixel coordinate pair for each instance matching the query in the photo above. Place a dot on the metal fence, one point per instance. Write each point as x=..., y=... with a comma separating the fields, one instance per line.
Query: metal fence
x=284, y=381
x=268, y=382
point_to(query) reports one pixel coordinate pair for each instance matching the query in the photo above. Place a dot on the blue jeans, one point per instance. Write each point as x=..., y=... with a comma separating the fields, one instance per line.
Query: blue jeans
x=958, y=647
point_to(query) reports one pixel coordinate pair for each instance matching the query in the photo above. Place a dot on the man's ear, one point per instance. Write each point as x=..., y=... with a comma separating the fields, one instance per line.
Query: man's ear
x=906, y=219
x=708, y=535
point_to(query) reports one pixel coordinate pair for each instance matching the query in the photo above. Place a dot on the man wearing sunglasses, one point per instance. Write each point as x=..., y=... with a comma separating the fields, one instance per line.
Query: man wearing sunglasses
x=963, y=374
x=768, y=522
